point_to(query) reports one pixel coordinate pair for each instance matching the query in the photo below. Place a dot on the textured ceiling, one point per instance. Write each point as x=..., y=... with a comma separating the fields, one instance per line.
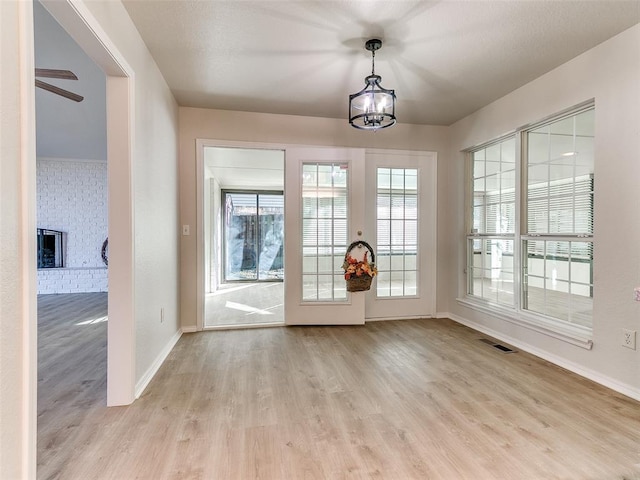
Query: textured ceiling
x=445, y=59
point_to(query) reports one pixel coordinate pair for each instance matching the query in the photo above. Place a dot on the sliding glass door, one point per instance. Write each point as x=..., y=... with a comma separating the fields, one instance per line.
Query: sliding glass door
x=254, y=235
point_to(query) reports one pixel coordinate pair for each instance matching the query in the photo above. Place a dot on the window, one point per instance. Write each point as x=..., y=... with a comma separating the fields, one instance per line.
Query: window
x=557, y=245
x=397, y=232
x=490, y=248
x=535, y=255
x=324, y=231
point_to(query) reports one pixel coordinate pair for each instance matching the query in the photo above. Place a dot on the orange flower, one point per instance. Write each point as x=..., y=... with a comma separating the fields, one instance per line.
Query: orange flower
x=352, y=266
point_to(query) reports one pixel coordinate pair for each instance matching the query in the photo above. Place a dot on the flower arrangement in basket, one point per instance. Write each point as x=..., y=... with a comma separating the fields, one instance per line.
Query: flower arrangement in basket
x=359, y=273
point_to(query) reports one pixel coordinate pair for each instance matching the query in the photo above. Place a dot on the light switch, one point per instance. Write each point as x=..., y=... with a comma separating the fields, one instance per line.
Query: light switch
x=185, y=230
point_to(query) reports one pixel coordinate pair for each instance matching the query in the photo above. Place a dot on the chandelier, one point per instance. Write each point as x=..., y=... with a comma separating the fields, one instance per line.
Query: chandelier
x=373, y=107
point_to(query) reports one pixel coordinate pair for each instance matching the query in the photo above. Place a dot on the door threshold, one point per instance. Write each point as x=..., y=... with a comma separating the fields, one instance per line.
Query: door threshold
x=244, y=326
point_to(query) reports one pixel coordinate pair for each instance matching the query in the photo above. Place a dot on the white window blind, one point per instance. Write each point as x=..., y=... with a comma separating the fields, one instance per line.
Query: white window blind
x=561, y=207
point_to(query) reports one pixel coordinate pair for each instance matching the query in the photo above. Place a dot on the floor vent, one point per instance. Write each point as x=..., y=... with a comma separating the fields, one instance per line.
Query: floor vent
x=502, y=348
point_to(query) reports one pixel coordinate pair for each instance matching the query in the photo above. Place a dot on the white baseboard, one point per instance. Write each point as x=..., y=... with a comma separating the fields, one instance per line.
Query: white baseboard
x=597, y=377
x=155, y=366
x=189, y=329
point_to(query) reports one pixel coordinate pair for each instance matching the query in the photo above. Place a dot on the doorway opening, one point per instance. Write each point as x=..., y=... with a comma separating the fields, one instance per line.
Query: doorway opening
x=72, y=213
x=243, y=237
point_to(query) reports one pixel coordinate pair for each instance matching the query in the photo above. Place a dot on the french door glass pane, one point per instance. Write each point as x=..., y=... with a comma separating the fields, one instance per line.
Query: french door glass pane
x=410, y=283
x=397, y=232
x=324, y=231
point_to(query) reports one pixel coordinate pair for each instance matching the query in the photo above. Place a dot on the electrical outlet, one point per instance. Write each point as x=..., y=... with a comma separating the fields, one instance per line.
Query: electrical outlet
x=629, y=338
x=161, y=314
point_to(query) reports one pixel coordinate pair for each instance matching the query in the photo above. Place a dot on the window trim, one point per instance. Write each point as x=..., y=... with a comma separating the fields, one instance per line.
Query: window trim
x=570, y=333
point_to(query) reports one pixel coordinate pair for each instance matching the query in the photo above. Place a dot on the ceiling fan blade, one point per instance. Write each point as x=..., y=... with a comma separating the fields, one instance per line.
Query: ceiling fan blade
x=52, y=73
x=59, y=91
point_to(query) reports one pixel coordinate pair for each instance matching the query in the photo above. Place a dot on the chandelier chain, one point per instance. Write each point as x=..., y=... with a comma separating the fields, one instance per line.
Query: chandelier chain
x=373, y=62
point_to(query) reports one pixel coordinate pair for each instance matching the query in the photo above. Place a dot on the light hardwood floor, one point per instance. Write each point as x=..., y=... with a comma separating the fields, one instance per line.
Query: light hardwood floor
x=419, y=399
x=72, y=371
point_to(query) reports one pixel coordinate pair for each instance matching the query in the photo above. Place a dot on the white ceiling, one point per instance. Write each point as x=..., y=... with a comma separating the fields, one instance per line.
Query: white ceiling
x=64, y=128
x=445, y=59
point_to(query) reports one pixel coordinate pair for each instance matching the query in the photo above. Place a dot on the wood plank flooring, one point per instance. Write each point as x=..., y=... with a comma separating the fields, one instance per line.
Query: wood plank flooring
x=418, y=399
x=72, y=370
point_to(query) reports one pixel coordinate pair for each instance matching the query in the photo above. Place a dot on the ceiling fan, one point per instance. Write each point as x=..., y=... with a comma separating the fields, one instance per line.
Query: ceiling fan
x=63, y=74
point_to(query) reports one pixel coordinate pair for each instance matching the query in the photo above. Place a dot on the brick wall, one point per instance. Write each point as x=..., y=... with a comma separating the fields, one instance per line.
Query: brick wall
x=72, y=198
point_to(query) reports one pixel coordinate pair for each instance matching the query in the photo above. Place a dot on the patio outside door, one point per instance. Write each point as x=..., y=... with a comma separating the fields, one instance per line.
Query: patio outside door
x=332, y=195
x=325, y=212
x=254, y=236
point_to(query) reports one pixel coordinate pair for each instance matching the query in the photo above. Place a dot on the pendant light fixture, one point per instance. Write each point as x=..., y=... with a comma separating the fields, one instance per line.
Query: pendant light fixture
x=373, y=107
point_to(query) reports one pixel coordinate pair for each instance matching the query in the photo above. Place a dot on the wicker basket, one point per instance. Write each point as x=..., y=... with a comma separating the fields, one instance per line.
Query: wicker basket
x=360, y=283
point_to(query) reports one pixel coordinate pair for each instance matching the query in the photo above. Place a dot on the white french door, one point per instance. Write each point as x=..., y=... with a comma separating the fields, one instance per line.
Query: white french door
x=401, y=188
x=324, y=213
x=386, y=198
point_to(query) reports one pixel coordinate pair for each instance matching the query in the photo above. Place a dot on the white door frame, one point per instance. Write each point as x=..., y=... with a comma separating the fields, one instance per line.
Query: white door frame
x=201, y=144
x=28, y=344
x=80, y=24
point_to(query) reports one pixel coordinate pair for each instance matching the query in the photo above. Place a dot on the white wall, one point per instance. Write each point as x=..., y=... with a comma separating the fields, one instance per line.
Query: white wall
x=72, y=198
x=198, y=123
x=610, y=73
x=155, y=193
